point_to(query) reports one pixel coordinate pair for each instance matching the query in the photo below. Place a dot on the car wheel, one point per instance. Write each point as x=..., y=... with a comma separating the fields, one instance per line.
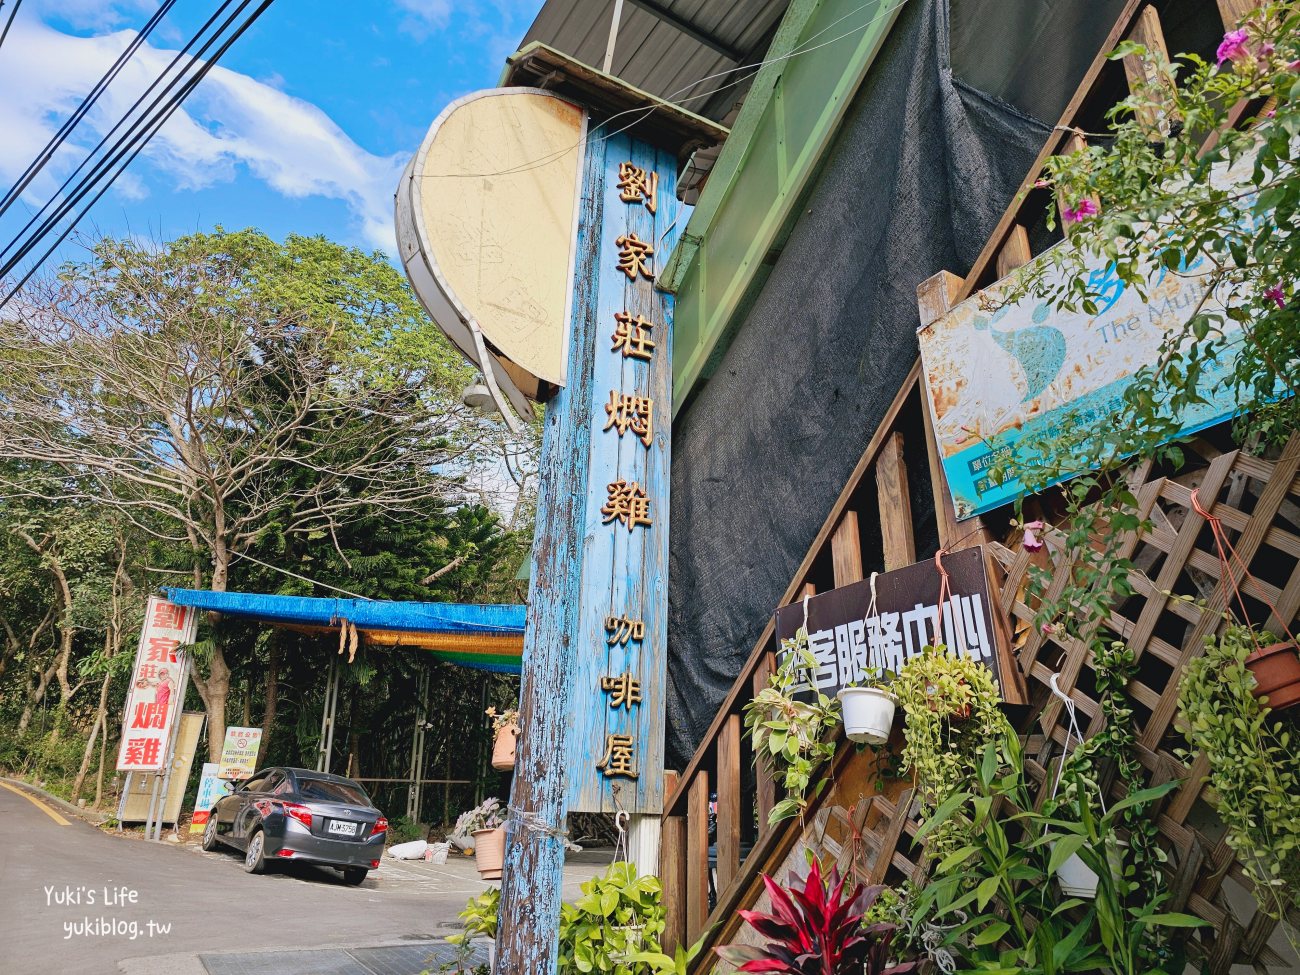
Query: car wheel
x=255, y=855
x=354, y=875
x=210, y=841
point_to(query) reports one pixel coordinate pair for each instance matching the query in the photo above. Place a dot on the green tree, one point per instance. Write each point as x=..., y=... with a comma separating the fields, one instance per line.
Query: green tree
x=225, y=390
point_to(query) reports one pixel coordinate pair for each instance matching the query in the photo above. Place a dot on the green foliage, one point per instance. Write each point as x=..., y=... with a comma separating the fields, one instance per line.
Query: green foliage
x=480, y=914
x=792, y=736
x=951, y=704
x=403, y=830
x=1254, y=767
x=618, y=916
x=614, y=927
x=985, y=894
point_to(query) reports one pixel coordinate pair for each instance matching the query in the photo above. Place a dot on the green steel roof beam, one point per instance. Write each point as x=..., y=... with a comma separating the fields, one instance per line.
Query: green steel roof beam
x=817, y=60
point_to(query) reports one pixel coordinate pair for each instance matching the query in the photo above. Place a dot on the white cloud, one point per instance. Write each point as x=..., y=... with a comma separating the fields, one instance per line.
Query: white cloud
x=231, y=122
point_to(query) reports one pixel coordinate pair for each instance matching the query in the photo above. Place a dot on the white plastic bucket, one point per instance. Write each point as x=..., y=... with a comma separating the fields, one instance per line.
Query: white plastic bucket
x=437, y=853
x=868, y=714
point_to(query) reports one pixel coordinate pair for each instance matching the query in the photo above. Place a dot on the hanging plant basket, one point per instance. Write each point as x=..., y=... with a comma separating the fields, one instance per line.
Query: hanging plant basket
x=1277, y=674
x=1076, y=878
x=503, y=748
x=490, y=852
x=868, y=713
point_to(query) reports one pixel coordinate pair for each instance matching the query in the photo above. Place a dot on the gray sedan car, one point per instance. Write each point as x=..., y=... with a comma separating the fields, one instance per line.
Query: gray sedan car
x=296, y=815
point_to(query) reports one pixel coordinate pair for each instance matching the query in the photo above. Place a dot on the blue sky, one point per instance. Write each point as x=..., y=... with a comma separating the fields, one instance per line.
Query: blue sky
x=302, y=128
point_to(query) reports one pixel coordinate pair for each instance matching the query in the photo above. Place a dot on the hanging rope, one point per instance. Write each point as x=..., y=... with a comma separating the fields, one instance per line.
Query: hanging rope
x=945, y=593
x=1226, y=556
x=1071, y=732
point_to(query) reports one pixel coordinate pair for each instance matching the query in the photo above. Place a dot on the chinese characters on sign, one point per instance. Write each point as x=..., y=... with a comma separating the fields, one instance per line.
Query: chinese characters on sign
x=239, y=752
x=638, y=186
x=634, y=255
x=847, y=639
x=157, y=686
x=632, y=336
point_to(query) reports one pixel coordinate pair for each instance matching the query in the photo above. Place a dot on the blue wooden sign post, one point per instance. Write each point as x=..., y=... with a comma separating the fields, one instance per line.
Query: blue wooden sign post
x=592, y=704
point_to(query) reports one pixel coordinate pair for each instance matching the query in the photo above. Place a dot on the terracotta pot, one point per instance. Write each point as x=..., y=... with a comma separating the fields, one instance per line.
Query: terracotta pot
x=503, y=749
x=1277, y=674
x=489, y=852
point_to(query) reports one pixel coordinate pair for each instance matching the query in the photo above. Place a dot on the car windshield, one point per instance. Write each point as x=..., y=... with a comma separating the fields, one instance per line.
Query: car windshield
x=327, y=790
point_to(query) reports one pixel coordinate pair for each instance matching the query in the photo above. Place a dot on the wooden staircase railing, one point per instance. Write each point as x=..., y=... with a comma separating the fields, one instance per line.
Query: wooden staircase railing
x=706, y=881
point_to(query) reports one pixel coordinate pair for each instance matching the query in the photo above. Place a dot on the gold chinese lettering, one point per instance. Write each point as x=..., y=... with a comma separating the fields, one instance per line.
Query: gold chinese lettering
x=632, y=336
x=624, y=690
x=638, y=186
x=633, y=254
x=622, y=628
x=627, y=503
x=633, y=413
x=618, y=759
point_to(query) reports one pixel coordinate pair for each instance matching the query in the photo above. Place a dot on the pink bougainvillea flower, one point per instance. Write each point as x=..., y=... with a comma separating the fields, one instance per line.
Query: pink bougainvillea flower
x=1293, y=66
x=1275, y=295
x=1032, y=542
x=1047, y=629
x=1265, y=51
x=1041, y=184
x=1084, y=208
x=1270, y=113
x=1232, y=46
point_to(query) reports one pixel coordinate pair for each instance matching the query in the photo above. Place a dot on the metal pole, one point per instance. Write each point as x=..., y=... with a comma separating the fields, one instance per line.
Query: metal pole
x=479, y=771
x=326, y=748
x=613, y=35
x=121, y=801
x=417, y=750
x=182, y=686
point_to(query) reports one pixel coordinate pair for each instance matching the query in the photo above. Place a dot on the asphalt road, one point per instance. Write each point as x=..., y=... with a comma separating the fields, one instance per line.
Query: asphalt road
x=156, y=906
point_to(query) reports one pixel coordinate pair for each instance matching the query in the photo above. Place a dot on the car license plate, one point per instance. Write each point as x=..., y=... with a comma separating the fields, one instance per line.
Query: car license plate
x=342, y=828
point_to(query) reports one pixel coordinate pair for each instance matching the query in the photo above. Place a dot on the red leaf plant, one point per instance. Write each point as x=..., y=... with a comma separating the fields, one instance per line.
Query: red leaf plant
x=817, y=931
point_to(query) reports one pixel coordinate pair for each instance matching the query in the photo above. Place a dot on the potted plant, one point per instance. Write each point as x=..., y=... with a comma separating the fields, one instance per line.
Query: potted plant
x=868, y=708
x=790, y=726
x=1254, y=767
x=817, y=928
x=506, y=726
x=1276, y=668
x=484, y=824
x=951, y=704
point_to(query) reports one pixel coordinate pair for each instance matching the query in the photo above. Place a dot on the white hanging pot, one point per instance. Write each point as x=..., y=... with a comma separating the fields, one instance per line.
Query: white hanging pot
x=1076, y=878
x=868, y=713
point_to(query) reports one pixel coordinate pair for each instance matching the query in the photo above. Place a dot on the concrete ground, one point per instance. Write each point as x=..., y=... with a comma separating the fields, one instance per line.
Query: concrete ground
x=75, y=898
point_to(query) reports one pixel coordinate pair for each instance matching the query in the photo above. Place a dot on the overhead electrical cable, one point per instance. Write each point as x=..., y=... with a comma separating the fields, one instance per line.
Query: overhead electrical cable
x=57, y=140
x=68, y=183
x=127, y=148
x=13, y=12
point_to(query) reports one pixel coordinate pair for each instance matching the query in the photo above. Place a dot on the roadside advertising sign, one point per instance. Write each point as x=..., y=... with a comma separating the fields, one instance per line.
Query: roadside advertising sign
x=157, y=690
x=211, y=788
x=239, y=753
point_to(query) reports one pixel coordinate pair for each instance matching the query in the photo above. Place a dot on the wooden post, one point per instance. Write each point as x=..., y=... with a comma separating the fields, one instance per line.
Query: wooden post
x=697, y=855
x=765, y=784
x=895, y=504
x=1146, y=71
x=530, y=891
x=846, y=550
x=672, y=873
x=934, y=296
x=728, y=790
x=1233, y=11
x=1014, y=252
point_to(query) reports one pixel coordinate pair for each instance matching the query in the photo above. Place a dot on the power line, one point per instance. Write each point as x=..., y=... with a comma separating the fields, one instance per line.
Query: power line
x=86, y=105
x=130, y=146
x=10, y=22
x=63, y=189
